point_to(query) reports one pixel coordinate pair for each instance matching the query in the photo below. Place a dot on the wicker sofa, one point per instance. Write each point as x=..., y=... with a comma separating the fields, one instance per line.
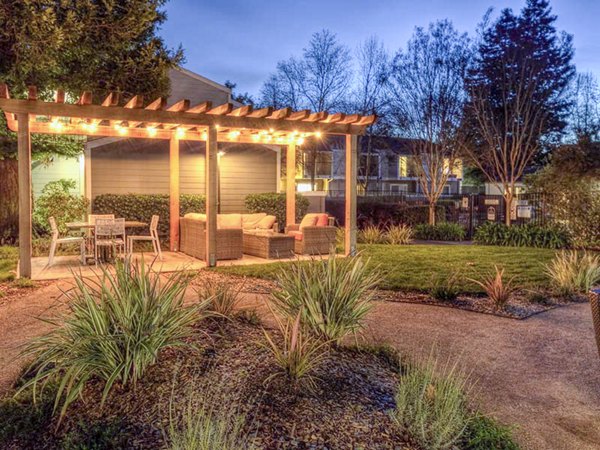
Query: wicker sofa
x=192, y=240
x=230, y=233
x=313, y=239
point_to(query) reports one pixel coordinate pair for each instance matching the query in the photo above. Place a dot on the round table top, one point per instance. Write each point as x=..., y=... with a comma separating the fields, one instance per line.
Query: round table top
x=128, y=224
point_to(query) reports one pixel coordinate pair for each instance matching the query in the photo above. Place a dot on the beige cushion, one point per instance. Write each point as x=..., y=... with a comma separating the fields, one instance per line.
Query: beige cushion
x=309, y=220
x=196, y=216
x=266, y=223
x=251, y=221
x=229, y=221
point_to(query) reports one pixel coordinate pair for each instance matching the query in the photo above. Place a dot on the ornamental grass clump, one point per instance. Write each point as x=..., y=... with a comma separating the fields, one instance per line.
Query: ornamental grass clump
x=221, y=298
x=497, y=288
x=298, y=355
x=445, y=288
x=371, y=234
x=117, y=326
x=332, y=295
x=431, y=405
x=206, y=423
x=573, y=272
x=399, y=234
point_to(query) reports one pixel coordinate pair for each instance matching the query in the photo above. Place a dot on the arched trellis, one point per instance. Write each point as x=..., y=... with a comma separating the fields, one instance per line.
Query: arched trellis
x=180, y=121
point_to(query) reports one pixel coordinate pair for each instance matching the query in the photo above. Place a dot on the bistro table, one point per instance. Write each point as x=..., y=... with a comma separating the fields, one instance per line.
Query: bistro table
x=89, y=243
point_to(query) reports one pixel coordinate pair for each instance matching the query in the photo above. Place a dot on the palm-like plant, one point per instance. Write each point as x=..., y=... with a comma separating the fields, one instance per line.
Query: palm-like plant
x=333, y=296
x=497, y=288
x=117, y=326
x=298, y=355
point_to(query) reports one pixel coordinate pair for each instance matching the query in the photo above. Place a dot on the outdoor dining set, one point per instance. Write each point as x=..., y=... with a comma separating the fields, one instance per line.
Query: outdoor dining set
x=105, y=237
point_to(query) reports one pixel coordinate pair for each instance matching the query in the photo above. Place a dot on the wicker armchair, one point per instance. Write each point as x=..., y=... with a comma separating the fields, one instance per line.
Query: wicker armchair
x=315, y=240
x=192, y=240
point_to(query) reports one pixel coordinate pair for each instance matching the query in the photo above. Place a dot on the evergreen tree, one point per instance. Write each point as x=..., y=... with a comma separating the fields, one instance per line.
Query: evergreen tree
x=75, y=45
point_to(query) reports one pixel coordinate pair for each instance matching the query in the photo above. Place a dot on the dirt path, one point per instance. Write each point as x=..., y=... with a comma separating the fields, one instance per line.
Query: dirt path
x=542, y=373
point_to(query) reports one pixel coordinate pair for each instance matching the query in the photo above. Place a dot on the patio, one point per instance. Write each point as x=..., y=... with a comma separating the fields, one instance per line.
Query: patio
x=179, y=121
x=64, y=267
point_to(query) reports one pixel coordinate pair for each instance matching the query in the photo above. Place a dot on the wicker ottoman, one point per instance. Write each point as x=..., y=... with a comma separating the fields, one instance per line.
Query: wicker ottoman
x=268, y=245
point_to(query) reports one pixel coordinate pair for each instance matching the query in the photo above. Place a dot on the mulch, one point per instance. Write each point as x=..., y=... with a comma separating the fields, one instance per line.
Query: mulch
x=519, y=307
x=348, y=408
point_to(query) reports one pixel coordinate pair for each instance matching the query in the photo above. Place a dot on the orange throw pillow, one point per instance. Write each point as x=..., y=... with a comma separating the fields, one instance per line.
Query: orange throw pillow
x=322, y=220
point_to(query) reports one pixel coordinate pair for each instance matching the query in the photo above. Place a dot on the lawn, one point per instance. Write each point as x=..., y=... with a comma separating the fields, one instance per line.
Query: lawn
x=413, y=267
x=8, y=262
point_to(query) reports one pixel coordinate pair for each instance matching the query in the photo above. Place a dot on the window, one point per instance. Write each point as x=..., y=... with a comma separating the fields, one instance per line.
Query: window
x=406, y=167
x=369, y=166
x=446, y=190
x=323, y=162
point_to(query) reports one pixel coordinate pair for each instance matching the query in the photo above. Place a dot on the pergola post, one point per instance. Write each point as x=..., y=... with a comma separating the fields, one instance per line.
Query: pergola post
x=211, y=196
x=290, y=185
x=24, y=169
x=350, y=210
x=174, y=194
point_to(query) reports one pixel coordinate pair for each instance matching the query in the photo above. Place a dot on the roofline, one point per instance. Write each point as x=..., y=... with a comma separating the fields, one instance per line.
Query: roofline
x=219, y=86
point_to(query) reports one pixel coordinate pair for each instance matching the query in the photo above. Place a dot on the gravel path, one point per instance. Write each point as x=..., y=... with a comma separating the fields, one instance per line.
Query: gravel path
x=542, y=373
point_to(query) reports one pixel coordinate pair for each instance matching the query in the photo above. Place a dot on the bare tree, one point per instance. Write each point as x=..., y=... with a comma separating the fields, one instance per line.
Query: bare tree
x=428, y=97
x=585, y=118
x=319, y=81
x=369, y=96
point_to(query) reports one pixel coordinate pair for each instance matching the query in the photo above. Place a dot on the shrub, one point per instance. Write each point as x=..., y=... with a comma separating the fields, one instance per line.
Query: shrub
x=550, y=236
x=206, y=423
x=273, y=204
x=98, y=435
x=444, y=231
x=445, y=288
x=496, y=288
x=220, y=297
x=399, y=234
x=118, y=325
x=142, y=207
x=431, y=405
x=484, y=433
x=371, y=234
x=57, y=200
x=372, y=210
x=332, y=295
x=572, y=272
x=298, y=355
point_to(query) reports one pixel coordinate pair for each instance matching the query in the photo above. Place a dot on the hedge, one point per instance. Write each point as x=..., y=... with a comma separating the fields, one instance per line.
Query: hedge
x=373, y=212
x=143, y=206
x=274, y=204
x=444, y=231
x=549, y=236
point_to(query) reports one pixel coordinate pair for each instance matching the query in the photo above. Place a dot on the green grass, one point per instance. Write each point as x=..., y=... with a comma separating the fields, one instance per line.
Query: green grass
x=8, y=262
x=413, y=267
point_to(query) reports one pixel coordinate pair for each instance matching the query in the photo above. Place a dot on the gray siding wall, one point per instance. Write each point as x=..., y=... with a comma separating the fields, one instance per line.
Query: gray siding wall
x=196, y=90
x=59, y=168
x=142, y=167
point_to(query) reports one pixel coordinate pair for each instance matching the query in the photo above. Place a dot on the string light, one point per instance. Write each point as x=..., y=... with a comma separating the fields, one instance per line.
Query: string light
x=180, y=133
x=234, y=134
x=256, y=137
x=56, y=125
x=204, y=136
x=318, y=134
x=151, y=131
x=300, y=141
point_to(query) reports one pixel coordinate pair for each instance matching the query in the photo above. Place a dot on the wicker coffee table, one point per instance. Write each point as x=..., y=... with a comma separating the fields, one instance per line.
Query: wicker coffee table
x=268, y=245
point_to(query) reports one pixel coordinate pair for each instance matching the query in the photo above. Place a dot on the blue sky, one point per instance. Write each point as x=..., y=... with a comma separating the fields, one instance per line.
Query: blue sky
x=243, y=40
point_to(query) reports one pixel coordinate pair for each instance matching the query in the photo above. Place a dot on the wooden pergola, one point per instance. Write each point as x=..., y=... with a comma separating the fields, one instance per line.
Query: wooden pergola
x=180, y=121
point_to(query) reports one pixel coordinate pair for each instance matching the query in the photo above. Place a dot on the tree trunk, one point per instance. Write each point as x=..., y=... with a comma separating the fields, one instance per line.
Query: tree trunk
x=431, y=213
x=9, y=201
x=508, y=199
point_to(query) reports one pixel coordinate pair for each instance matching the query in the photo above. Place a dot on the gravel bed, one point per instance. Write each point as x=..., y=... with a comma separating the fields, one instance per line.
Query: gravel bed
x=348, y=409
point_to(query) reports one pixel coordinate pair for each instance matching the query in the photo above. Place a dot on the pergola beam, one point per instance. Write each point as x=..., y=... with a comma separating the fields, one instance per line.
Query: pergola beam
x=210, y=175
x=350, y=195
x=290, y=185
x=24, y=172
x=174, y=194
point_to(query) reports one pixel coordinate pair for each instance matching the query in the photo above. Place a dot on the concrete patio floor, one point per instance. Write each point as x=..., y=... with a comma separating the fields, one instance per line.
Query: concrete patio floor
x=63, y=267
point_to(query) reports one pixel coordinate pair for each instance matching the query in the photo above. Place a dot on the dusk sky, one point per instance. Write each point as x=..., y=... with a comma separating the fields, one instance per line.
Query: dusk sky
x=242, y=40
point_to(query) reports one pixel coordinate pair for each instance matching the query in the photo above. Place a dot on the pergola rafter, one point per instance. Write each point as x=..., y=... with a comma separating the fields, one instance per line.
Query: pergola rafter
x=179, y=121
